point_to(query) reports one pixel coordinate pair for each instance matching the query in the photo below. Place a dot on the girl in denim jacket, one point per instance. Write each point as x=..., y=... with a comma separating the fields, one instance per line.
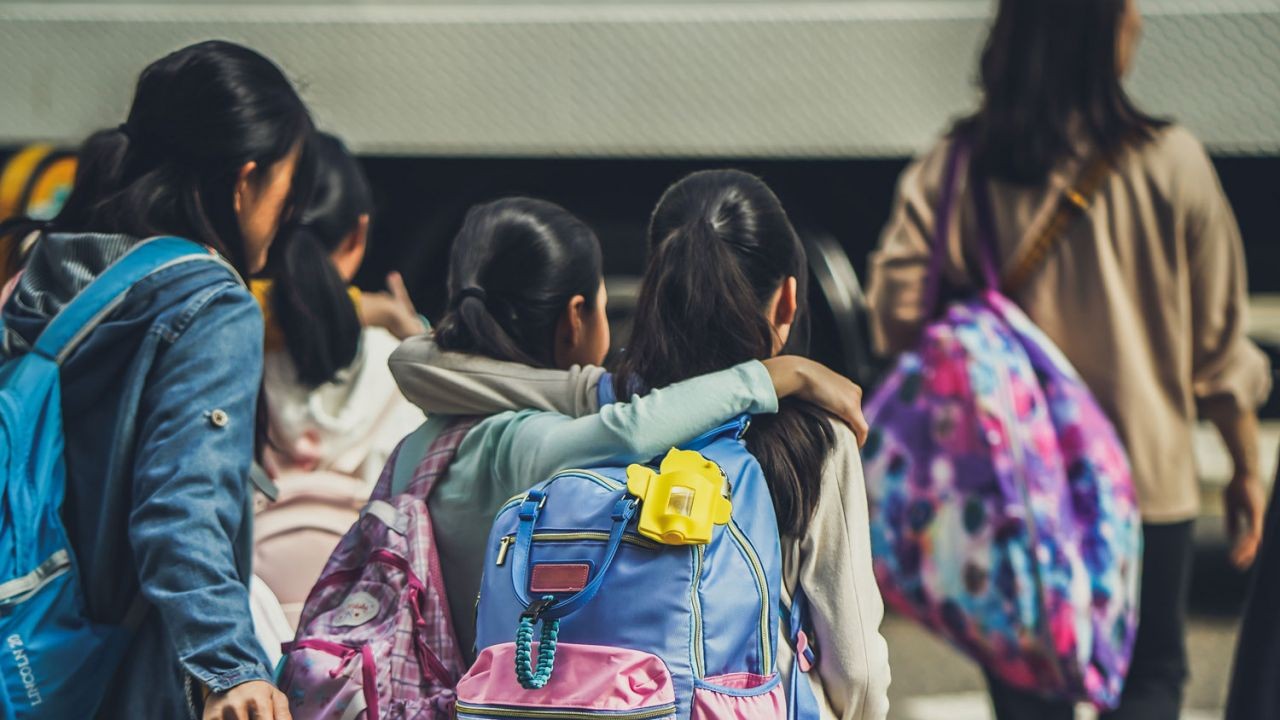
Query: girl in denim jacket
x=160, y=401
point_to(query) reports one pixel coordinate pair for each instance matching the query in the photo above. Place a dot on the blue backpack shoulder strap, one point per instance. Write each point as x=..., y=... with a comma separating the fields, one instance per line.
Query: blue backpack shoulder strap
x=605, y=392
x=802, y=704
x=105, y=293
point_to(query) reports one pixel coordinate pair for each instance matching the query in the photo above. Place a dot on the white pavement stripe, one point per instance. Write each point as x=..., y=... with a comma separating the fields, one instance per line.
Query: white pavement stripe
x=975, y=706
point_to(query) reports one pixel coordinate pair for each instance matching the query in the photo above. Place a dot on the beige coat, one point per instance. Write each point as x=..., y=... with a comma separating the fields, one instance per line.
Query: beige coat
x=1146, y=297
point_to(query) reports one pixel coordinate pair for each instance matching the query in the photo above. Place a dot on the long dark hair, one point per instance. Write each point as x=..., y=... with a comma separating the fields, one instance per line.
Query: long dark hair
x=198, y=116
x=720, y=245
x=1049, y=65
x=316, y=316
x=515, y=265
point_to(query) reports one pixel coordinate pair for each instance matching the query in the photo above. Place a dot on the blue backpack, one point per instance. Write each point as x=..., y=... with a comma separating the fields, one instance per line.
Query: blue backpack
x=633, y=627
x=55, y=662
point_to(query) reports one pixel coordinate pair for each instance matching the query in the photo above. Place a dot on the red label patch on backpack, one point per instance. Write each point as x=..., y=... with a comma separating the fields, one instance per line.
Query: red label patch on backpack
x=559, y=577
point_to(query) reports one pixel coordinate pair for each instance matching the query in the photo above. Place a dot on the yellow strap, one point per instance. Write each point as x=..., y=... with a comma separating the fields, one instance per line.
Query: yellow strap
x=1074, y=201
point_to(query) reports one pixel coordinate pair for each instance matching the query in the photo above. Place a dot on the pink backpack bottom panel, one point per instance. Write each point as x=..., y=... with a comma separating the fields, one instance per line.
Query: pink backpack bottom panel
x=587, y=679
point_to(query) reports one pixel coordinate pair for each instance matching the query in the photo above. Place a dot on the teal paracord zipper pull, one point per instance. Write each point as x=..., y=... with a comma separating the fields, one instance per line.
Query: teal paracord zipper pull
x=532, y=678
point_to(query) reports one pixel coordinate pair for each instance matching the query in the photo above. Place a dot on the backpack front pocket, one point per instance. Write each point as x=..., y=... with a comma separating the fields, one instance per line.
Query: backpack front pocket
x=589, y=682
x=739, y=696
x=340, y=680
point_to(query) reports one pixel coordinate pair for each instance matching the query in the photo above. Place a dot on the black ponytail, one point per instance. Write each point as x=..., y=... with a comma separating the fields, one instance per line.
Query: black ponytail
x=313, y=309
x=720, y=246
x=198, y=116
x=515, y=265
x=693, y=278
x=309, y=297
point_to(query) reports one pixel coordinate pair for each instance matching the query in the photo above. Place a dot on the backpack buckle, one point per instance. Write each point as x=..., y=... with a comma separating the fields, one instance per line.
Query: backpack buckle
x=533, y=503
x=536, y=608
x=625, y=508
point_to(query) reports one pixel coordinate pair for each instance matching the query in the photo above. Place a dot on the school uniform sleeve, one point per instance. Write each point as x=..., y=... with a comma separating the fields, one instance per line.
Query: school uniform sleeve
x=1225, y=363
x=191, y=489
x=900, y=265
x=451, y=383
x=832, y=562
x=541, y=443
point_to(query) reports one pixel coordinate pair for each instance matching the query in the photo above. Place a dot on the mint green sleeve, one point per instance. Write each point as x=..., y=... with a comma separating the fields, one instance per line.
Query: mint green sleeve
x=535, y=444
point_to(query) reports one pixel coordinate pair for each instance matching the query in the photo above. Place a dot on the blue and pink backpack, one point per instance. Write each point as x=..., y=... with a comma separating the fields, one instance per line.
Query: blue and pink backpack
x=1003, y=516
x=581, y=616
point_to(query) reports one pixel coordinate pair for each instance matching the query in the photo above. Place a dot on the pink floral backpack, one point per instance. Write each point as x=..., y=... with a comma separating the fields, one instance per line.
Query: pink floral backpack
x=375, y=640
x=1003, y=516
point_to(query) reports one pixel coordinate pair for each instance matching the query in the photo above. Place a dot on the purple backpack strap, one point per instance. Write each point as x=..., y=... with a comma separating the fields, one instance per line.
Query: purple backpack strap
x=957, y=156
x=432, y=464
x=942, y=223
x=435, y=463
x=988, y=252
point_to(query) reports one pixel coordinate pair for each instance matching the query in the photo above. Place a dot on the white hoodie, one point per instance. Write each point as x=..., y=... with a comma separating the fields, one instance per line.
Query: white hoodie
x=348, y=426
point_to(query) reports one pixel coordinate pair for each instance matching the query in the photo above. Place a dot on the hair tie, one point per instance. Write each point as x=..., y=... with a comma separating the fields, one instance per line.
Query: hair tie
x=473, y=291
x=124, y=129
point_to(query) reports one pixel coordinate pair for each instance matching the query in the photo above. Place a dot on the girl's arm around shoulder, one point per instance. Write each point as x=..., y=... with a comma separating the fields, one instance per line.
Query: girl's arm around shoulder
x=533, y=445
x=452, y=383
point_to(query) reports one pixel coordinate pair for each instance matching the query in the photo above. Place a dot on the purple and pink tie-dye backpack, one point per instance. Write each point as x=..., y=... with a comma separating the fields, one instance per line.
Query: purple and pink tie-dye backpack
x=1003, y=514
x=375, y=640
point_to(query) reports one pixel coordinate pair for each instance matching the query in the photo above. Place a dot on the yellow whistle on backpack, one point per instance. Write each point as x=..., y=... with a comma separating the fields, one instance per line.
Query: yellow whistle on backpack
x=683, y=502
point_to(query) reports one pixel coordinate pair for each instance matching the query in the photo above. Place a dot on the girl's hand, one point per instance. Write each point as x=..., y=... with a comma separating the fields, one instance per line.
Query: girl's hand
x=256, y=700
x=794, y=376
x=392, y=310
x=1245, y=499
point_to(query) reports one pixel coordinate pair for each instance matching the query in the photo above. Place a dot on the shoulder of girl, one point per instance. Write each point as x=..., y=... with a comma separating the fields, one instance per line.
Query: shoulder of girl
x=845, y=442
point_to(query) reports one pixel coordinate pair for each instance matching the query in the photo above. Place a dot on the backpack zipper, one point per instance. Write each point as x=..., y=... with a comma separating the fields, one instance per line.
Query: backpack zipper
x=492, y=711
x=601, y=480
x=505, y=543
x=762, y=585
x=695, y=604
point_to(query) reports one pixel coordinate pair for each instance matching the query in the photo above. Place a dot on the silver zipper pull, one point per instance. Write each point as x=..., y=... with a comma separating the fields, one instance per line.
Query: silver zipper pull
x=503, y=546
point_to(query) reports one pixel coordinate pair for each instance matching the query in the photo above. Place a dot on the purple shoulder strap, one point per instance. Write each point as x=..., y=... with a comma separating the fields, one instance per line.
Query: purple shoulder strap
x=958, y=156
x=942, y=224
x=435, y=463
x=428, y=467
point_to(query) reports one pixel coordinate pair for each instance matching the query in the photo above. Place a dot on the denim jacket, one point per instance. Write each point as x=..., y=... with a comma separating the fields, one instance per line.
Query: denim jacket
x=159, y=407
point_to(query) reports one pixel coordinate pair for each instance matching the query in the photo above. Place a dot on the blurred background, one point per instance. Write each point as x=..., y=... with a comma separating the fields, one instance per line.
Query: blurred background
x=598, y=105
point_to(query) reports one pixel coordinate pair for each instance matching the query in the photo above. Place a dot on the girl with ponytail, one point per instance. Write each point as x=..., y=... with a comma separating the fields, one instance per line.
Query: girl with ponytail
x=332, y=405
x=527, y=331
x=724, y=284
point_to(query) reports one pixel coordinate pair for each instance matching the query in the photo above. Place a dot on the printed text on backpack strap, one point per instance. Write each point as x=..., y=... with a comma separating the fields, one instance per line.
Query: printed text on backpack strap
x=104, y=294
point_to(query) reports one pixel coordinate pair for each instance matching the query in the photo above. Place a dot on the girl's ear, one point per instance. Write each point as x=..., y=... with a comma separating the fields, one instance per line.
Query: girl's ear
x=569, y=330
x=782, y=312
x=350, y=252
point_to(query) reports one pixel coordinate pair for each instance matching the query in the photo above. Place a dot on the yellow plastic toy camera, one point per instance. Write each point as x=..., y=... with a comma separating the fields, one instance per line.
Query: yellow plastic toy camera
x=683, y=502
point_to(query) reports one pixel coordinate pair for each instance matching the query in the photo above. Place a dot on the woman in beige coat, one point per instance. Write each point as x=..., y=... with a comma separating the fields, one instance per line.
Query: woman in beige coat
x=1145, y=294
